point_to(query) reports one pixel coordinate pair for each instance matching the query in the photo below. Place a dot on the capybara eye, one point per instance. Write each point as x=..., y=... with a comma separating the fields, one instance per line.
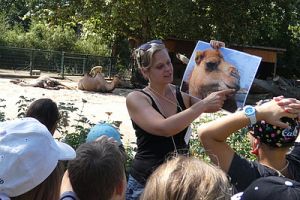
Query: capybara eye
x=211, y=66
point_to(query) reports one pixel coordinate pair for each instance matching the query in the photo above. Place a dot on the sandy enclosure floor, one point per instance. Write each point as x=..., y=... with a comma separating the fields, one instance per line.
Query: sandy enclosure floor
x=95, y=108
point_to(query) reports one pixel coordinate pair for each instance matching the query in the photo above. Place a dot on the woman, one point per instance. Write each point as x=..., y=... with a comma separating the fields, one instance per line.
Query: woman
x=161, y=114
x=271, y=137
x=187, y=178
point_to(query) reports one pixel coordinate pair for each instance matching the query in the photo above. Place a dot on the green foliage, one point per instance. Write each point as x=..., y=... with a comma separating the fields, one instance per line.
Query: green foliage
x=14, y=10
x=3, y=28
x=80, y=129
x=238, y=141
x=40, y=36
x=130, y=152
x=2, y=106
x=92, y=44
x=23, y=105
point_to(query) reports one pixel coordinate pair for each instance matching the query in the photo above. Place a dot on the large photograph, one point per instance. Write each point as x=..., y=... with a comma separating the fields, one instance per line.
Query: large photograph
x=210, y=70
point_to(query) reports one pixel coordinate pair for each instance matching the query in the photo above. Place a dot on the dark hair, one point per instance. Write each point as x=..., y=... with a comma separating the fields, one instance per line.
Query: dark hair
x=49, y=189
x=45, y=110
x=97, y=170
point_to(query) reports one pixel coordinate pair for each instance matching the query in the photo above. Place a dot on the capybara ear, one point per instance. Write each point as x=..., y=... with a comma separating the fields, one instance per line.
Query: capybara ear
x=199, y=56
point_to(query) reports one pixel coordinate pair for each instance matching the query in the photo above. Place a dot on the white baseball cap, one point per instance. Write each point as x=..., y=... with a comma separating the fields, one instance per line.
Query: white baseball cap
x=28, y=155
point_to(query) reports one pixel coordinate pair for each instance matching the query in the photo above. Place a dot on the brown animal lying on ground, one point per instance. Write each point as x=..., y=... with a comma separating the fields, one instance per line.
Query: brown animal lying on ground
x=97, y=83
x=211, y=73
x=42, y=82
x=96, y=70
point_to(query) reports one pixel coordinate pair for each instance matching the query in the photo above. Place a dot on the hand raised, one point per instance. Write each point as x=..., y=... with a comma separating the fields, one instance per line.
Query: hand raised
x=216, y=44
x=272, y=112
x=290, y=105
x=214, y=102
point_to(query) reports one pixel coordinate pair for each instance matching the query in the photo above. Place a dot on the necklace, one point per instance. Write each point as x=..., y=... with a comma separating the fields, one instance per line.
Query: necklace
x=155, y=93
x=284, y=168
x=281, y=170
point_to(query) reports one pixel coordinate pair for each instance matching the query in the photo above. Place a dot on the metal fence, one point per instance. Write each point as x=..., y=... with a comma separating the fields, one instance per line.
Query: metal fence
x=60, y=62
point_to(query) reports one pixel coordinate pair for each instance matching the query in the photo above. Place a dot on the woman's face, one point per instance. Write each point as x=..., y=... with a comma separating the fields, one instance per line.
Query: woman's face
x=162, y=69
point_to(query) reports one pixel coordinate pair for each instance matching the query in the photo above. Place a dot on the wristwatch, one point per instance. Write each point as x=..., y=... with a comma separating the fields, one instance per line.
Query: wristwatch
x=250, y=113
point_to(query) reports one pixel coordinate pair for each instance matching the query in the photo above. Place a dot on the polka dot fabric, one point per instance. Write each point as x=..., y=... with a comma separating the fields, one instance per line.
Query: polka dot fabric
x=275, y=136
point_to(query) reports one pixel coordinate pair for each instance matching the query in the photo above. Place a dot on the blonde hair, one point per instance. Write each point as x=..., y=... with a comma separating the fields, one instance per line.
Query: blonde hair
x=187, y=178
x=144, y=58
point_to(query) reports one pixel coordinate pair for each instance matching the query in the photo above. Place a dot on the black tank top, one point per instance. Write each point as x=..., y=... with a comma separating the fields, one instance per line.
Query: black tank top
x=153, y=149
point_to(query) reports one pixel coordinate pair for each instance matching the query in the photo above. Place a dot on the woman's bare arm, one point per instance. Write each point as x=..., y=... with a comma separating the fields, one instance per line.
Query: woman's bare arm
x=143, y=114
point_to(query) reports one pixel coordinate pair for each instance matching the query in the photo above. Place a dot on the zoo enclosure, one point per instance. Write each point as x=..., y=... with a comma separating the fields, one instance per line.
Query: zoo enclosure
x=60, y=62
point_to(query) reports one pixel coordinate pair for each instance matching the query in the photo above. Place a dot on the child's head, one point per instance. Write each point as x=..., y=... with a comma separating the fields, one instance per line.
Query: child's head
x=98, y=170
x=272, y=187
x=103, y=129
x=29, y=156
x=275, y=136
x=187, y=178
x=46, y=111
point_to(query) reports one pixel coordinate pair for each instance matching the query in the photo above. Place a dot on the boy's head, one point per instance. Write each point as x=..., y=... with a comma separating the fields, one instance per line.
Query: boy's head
x=98, y=170
x=103, y=129
x=275, y=136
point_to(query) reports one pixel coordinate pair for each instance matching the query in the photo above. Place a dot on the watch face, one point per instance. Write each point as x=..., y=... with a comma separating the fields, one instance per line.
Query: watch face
x=249, y=110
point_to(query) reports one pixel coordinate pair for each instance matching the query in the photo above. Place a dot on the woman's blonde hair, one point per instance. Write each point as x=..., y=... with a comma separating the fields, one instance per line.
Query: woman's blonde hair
x=187, y=178
x=144, y=54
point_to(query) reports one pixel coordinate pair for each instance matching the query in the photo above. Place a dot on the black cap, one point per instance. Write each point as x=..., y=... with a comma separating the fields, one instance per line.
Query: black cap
x=270, y=188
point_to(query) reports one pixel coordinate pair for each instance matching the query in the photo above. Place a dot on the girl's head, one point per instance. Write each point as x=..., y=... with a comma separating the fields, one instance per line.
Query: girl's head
x=29, y=160
x=144, y=55
x=46, y=111
x=187, y=178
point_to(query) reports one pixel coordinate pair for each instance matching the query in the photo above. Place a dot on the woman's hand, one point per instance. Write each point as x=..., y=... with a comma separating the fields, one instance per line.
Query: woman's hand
x=214, y=102
x=216, y=44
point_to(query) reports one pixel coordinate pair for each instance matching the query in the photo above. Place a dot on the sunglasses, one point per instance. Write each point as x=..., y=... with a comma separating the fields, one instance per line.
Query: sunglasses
x=150, y=44
x=145, y=47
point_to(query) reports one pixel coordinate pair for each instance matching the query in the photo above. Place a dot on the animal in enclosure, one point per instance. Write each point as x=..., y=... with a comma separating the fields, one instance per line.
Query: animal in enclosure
x=212, y=73
x=96, y=70
x=97, y=83
x=42, y=82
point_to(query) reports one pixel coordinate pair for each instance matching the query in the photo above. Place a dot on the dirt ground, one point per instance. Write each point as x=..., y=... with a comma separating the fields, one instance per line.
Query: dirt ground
x=94, y=109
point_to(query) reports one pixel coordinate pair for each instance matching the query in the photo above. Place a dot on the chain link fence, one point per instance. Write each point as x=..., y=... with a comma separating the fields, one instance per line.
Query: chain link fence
x=62, y=63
